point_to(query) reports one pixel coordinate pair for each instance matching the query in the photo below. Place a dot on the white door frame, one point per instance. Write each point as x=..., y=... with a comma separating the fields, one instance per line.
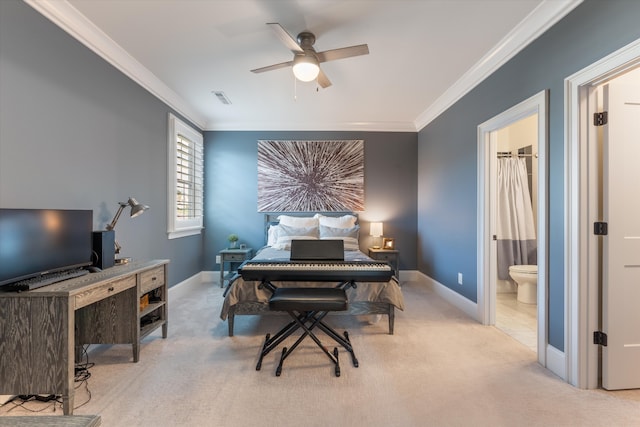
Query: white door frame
x=582, y=300
x=487, y=150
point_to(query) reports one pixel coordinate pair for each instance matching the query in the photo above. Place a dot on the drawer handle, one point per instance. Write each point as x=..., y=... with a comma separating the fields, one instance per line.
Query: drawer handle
x=153, y=278
x=111, y=289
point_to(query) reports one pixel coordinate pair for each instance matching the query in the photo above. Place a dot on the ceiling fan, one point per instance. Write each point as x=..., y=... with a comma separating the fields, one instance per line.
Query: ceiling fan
x=306, y=61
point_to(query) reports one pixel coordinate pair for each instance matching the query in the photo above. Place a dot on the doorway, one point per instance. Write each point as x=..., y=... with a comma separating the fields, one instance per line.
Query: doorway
x=582, y=247
x=515, y=212
x=488, y=136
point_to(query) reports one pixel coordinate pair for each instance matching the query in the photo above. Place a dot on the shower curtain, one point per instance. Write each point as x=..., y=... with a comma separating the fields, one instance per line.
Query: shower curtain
x=516, y=231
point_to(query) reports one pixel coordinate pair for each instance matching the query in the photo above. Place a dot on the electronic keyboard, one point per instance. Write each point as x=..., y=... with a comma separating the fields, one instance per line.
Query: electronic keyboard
x=329, y=271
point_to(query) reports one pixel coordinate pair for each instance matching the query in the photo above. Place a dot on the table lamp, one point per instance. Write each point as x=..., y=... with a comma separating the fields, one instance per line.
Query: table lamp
x=375, y=229
x=136, y=210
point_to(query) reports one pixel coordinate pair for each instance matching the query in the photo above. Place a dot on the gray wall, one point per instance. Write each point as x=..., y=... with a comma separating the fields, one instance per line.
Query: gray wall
x=448, y=147
x=75, y=133
x=231, y=188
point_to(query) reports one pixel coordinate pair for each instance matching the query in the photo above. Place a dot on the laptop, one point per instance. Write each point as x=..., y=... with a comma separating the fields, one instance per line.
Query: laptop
x=317, y=250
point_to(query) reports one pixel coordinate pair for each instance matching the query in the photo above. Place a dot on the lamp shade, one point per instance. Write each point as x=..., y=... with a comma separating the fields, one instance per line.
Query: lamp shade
x=375, y=229
x=305, y=67
x=136, y=207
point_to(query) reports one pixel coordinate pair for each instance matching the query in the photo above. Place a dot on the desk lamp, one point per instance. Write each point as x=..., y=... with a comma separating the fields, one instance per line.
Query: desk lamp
x=375, y=230
x=136, y=210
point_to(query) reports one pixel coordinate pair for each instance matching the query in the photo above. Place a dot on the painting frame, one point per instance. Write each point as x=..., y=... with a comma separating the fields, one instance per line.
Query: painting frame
x=388, y=243
x=310, y=176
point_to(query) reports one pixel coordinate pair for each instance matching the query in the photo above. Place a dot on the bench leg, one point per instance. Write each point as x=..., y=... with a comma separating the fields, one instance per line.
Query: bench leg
x=230, y=321
x=344, y=342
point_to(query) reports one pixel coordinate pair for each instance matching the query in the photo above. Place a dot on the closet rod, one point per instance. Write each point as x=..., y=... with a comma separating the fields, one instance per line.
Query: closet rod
x=518, y=155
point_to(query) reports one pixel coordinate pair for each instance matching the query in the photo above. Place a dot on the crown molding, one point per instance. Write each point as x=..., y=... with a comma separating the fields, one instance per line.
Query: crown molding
x=530, y=28
x=69, y=19
x=311, y=126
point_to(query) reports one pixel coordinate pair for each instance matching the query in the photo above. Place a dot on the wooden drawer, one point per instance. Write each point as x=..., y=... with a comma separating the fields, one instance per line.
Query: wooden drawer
x=386, y=257
x=104, y=291
x=234, y=257
x=151, y=279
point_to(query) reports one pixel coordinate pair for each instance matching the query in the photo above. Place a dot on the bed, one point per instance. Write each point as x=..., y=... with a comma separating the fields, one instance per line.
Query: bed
x=368, y=298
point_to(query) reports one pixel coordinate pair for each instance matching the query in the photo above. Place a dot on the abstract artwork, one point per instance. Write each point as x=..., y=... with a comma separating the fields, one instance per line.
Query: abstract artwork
x=310, y=176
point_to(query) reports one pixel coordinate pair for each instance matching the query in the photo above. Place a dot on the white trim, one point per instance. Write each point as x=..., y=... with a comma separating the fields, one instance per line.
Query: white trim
x=176, y=227
x=581, y=309
x=185, y=232
x=312, y=126
x=185, y=287
x=556, y=362
x=64, y=15
x=67, y=17
x=486, y=262
x=536, y=23
x=466, y=305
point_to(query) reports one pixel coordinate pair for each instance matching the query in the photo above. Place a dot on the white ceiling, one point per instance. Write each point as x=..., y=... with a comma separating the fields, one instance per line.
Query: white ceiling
x=424, y=55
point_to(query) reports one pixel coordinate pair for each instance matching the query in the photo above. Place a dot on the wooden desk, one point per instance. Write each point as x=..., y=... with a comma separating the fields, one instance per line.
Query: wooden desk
x=41, y=328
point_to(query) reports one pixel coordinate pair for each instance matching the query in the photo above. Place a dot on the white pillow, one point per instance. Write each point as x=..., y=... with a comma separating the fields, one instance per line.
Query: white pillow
x=348, y=235
x=298, y=221
x=345, y=221
x=272, y=234
x=286, y=234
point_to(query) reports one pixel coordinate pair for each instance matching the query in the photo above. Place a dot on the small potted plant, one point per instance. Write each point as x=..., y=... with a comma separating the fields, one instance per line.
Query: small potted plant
x=233, y=240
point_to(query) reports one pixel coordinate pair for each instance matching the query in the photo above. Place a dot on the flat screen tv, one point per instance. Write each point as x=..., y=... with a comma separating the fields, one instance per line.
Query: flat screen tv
x=40, y=241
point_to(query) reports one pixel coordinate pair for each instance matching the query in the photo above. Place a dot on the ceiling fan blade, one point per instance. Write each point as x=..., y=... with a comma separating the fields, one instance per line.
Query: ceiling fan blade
x=323, y=80
x=285, y=37
x=273, y=67
x=345, y=52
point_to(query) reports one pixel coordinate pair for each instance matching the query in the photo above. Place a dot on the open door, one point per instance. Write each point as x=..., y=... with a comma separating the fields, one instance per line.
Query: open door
x=621, y=246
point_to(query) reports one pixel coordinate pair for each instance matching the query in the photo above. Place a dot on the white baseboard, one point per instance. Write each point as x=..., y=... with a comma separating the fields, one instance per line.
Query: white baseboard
x=469, y=307
x=557, y=362
x=184, y=287
x=210, y=276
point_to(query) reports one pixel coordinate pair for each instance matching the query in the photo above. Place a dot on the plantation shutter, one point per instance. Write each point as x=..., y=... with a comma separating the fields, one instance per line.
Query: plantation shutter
x=189, y=178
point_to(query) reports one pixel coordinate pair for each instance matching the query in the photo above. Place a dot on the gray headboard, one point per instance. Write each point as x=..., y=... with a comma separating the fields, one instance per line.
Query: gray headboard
x=271, y=218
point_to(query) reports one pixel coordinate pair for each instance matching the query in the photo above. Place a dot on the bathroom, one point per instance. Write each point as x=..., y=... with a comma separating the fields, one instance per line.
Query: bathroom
x=516, y=308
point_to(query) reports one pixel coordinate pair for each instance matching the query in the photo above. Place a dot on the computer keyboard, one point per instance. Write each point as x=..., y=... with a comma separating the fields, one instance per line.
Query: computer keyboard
x=44, y=280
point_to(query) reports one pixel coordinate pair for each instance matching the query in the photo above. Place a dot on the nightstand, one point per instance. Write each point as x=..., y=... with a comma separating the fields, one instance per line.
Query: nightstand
x=391, y=256
x=234, y=257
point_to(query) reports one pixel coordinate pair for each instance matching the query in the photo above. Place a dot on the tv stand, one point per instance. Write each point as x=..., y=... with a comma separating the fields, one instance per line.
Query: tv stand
x=41, y=328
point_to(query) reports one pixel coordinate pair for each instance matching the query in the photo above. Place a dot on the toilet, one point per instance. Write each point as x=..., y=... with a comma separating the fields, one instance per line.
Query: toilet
x=526, y=277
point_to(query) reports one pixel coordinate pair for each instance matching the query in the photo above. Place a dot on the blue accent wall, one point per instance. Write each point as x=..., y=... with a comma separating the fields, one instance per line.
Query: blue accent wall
x=231, y=188
x=447, y=153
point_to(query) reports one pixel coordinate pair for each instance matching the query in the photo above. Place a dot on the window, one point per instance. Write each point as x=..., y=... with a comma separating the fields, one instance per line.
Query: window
x=185, y=189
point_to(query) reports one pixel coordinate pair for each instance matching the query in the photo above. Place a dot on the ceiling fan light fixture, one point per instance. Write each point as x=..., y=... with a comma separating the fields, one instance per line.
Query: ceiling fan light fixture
x=305, y=67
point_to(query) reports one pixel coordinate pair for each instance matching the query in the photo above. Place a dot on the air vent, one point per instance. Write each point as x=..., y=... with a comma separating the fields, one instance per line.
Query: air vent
x=222, y=97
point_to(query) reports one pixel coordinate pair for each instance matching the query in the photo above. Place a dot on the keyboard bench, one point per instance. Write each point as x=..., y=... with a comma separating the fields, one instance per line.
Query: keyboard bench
x=307, y=307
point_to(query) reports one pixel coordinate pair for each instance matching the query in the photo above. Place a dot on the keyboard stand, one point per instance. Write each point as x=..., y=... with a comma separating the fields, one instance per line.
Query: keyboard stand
x=307, y=307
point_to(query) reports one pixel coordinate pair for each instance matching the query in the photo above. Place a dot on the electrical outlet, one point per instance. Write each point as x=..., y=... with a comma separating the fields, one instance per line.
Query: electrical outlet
x=459, y=278
x=218, y=259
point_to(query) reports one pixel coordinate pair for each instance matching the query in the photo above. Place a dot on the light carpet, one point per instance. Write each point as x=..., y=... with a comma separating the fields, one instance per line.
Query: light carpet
x=440, y=368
